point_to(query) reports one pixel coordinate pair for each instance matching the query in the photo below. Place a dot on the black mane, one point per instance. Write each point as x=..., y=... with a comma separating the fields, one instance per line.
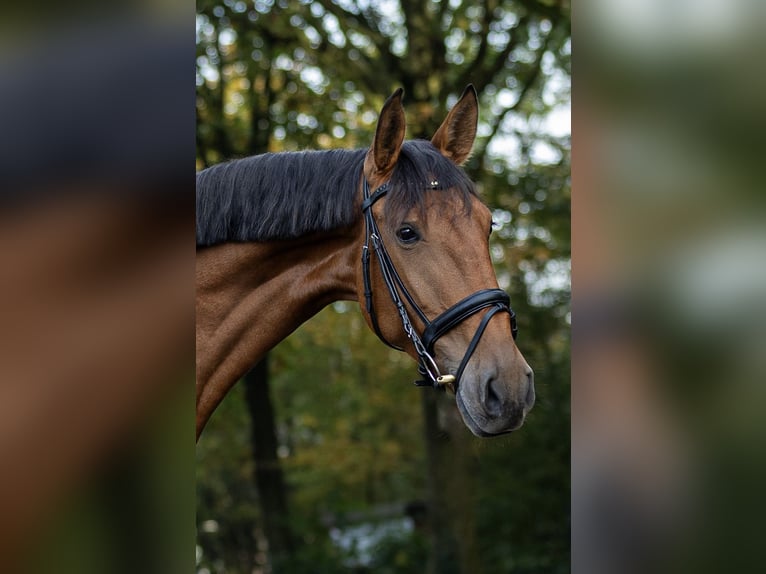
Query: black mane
x=291, y=194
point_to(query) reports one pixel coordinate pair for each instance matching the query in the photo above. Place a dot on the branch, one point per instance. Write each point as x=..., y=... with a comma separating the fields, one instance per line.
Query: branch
x=529, y=80
x=365, y=71
x=486, y=22
x=202, y=153
x=499, y=62
x=363, y=25
x=555, y=12
x=368, y=71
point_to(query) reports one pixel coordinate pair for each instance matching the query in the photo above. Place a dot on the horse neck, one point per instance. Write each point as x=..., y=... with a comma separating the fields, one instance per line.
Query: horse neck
x=250, y=296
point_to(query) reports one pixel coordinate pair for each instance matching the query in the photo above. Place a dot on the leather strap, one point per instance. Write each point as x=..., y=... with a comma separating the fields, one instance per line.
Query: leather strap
x=461, y=310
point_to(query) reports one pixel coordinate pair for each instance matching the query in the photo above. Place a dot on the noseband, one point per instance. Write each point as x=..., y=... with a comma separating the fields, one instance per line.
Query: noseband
x=495, y=300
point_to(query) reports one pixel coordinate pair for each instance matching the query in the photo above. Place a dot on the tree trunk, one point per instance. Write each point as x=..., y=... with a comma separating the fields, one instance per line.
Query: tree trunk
x=272, y=491
x=461, y=487
x=443, y=556
x=451, y=488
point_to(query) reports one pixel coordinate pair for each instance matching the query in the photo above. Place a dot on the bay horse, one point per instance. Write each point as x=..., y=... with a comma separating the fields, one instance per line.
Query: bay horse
x=282, y=235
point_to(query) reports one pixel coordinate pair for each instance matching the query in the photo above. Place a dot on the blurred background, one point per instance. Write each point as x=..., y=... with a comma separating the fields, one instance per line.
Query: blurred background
x=326, y=458
x=669, y=287
x=96, y=289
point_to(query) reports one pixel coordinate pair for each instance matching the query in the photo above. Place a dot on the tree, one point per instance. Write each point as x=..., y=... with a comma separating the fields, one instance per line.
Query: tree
x=269, y=478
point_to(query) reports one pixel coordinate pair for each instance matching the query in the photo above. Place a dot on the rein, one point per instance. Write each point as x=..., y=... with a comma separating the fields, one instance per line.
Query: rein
x=496, y=300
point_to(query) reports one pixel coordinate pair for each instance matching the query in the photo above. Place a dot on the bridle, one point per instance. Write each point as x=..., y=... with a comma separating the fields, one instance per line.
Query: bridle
x=495, y=300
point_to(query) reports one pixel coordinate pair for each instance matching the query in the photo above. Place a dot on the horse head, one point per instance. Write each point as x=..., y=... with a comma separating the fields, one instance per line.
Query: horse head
x=427, y=284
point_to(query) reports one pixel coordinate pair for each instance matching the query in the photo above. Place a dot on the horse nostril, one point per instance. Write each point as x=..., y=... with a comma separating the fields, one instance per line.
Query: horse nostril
x=493, y=403
x=530, y=398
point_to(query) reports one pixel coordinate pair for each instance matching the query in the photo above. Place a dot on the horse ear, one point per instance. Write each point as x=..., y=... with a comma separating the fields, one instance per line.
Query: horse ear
x=389, y=134
x=454, y=138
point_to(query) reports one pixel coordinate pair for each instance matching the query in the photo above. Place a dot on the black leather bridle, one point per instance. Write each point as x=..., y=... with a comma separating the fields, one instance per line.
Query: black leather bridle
x=495, y=300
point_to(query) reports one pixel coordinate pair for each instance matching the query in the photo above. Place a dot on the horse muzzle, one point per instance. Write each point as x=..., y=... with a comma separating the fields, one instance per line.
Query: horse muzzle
x=491, y=405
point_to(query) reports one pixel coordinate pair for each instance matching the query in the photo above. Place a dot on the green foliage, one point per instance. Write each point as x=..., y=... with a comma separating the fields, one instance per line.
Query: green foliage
x=275, y=75
x=227, y=501
x=400, y=554
x=343, y=423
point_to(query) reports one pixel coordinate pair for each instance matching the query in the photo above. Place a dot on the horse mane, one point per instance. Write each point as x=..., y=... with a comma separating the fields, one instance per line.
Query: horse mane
x=277, y=196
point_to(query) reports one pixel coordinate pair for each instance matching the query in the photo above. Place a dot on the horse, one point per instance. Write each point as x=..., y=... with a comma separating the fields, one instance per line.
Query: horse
x=398, y=228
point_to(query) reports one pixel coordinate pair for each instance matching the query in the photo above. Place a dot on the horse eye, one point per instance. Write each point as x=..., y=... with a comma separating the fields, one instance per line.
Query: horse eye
x=407, y=234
